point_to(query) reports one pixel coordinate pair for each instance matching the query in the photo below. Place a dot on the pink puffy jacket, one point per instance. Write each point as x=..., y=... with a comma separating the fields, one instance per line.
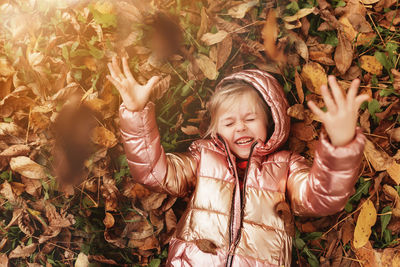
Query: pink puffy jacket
x=257, y=230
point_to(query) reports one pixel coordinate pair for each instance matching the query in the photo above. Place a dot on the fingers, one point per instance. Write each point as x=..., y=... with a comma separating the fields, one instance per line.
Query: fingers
x=351, y=95
x=336, y=91
x=127, y=71
x=116, y=83
x=116, y=68
x=316, y=110
x=330, y=104
x=359, y=100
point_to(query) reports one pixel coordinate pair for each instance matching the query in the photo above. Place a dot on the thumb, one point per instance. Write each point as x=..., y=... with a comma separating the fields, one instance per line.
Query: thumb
x=150, y=85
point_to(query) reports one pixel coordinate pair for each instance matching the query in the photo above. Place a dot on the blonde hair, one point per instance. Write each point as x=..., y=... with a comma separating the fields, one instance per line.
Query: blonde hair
x=226, y=96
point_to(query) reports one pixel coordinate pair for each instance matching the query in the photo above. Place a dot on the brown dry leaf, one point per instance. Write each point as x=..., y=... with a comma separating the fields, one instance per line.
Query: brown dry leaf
x=23, y=251
x=170, y=220
x=190, y=130
x=18, y=188
x=299, y=87
x=5, y=87
x=6, y=69
x=394, y=172
x=214, y=38
x=82, y=260
x=300, y=14
x=66, y=92
x=366, y=219
x=378, y=159
x=284, y=212
x=314, y=76
x=322, y=58
x=224, y=49
x=296, y=111
x=3, y=260
x=15, y=150
x=150, y=242
x=343, y=53
x=347, y=232
x=371, y=65
x=207, y=66
x=90, y=63
x=102, y=259
x=161, y=87
x=153, y=201
x=393, y=133
x=203, y=23
x=269, y=34
x=39, y=121
x=390, y=257
x=10, y=129
x=109, y=220
x=239, y=11
x=367, y=255
x=369, y=2
x=207, y=246
x=27, y=167
x=103, y=137
x=32, y=186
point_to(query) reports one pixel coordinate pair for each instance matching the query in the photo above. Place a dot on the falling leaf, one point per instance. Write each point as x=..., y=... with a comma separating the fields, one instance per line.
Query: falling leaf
x=314, y=76
x=214, y=38
x=269, y=34
x=27, y=167
x=103, y=137
x=371, y=65
x=240, y=10
x=366, y=219
x=22, y=251
x=207, y=66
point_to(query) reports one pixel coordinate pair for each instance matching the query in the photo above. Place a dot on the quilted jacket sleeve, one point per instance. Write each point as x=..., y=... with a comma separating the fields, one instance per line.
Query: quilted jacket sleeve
x=172, y=173
x=325, y=187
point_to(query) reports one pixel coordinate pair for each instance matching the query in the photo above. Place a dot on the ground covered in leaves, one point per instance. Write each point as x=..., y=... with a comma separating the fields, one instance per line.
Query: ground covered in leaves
x=66, y=194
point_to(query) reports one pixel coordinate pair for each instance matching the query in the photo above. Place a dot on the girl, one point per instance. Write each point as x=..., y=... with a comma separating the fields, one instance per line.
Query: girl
x=240, y=185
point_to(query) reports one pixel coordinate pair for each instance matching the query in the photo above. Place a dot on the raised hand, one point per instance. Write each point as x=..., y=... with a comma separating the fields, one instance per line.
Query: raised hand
x=134, y=95
x=341, y=118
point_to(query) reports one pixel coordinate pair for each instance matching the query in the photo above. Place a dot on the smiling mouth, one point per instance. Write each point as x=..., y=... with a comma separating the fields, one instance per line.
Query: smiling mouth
x=244, y=141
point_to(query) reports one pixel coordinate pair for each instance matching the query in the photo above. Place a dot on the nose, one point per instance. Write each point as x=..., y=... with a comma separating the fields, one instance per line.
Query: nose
x=241, y=126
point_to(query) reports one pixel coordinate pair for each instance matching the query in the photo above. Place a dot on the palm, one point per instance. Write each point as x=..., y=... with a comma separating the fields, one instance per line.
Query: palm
x=134, y=95
x=341, y=118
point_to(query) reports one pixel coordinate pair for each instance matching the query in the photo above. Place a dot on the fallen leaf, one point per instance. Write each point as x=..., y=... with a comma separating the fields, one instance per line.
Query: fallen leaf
x=15, y=150
x=394, y=172
x=109, y=220
x=161, y=87
x=207, y=66
x=393, y=133
x=23, y=251
x=347, y=232
x=367, y=255
x=314, y=76
x=190, y=130
x=296, y=111
x=299, y=87
x=300, y=14
x=27, y=167
x=224, y=49
x=214, y=38
x=240, y=10
x=366, y=219
x=6, y=69
x=378, y=159
x=343, y=53
x=3, y=260
x=371, y=65
x=82, y=260
x=103, y=137
x=207, y=246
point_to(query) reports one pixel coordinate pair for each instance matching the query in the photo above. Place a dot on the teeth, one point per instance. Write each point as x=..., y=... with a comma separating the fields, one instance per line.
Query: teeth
x=244, y=141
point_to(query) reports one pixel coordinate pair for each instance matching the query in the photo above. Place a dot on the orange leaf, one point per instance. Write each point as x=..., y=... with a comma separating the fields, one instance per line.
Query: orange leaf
x=269, y=34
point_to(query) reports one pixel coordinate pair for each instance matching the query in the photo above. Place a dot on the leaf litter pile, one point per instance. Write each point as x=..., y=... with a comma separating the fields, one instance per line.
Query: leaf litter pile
x=66, y=194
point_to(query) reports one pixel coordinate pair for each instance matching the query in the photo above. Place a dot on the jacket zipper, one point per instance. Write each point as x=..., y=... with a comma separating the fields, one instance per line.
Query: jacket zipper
x=229, y=260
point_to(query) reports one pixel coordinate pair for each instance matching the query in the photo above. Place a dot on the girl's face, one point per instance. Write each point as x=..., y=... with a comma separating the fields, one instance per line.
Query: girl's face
x=241, y=124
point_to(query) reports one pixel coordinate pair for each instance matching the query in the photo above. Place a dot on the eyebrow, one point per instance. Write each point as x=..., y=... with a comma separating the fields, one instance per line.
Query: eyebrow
x=232, y=118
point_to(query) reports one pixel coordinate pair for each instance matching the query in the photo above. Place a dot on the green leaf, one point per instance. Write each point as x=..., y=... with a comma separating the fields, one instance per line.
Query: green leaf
x=331, y=39
x=65, y=53
x=187, y=88
x=154, y=263
x=383, y=59
x=374, y=107
x=105, y=20
x=8, y=120
x=385, y=219
x=299, y=243
x=313, y=236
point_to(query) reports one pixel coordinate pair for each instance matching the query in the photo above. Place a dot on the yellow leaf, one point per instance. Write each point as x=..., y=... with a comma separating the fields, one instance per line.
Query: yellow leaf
x=207, y=66
x=103, y=137
x=366, y=219
x=371, y=65
x=314, y=77
x=104, y=7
